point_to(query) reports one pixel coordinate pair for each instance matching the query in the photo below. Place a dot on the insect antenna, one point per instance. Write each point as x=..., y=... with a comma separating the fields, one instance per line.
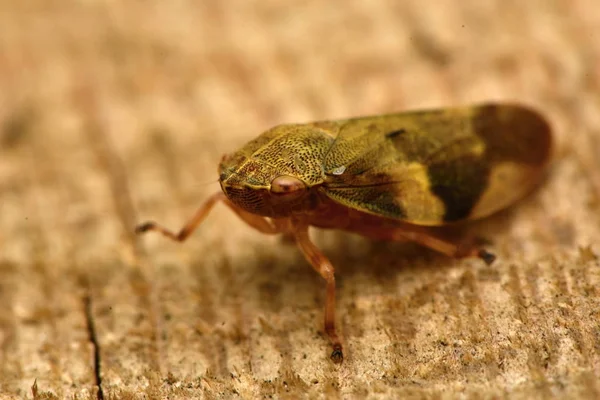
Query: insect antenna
x=205, y=183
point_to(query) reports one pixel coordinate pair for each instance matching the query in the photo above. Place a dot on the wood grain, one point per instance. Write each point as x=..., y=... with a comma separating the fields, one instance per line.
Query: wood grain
x=116, y=112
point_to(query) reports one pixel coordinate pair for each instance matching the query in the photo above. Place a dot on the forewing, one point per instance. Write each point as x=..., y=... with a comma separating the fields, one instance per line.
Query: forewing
x=434, y=167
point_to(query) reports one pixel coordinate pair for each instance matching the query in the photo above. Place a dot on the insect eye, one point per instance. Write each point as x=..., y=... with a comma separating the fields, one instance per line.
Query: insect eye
x=287, y=185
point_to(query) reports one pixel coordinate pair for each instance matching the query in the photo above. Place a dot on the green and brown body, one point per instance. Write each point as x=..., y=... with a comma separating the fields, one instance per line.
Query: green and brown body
x=387, y=177
x=424, y=168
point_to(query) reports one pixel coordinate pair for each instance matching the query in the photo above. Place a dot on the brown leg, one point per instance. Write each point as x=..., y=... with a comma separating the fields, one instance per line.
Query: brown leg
x=444, y=246
x=257, y=222
x=288, y=238
x=323, y=266
x=425, y=237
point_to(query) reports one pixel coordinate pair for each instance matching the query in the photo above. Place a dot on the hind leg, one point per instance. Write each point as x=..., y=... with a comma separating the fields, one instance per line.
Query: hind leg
x=426, y=237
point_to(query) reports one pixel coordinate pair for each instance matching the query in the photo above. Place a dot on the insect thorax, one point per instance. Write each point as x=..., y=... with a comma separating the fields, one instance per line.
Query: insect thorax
x=294, y=151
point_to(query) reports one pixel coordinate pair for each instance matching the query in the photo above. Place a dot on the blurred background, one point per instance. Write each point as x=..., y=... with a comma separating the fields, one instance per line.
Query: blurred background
x=116, y=112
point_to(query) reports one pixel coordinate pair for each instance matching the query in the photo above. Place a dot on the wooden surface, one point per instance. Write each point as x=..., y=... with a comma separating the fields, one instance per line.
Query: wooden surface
x=115, y=112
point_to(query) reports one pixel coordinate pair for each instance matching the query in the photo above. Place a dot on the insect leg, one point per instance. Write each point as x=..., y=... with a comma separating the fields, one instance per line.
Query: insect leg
x=257, y=222
x=261, y=224
x=444, y=246
x=323, y=266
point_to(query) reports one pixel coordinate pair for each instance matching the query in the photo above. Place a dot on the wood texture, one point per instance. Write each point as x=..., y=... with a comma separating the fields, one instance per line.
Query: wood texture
x=115, y=112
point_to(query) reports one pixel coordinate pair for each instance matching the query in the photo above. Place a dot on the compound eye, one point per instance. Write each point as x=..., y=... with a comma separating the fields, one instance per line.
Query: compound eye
x=285, y=185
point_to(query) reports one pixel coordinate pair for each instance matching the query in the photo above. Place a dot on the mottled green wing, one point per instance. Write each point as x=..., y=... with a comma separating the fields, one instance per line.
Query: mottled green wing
x=434, y=167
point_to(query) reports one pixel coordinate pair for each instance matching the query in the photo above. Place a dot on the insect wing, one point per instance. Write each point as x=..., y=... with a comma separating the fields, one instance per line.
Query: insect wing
x=439, y=166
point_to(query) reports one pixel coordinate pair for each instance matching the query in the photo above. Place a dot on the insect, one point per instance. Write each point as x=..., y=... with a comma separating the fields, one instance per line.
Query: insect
x=388, y=177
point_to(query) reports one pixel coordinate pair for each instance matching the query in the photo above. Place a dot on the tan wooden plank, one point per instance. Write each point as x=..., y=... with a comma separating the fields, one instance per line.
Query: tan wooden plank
x=111, y=113
x=45, y=334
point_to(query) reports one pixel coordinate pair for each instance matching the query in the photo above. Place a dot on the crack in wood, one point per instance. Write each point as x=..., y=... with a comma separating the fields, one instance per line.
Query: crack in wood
x=99, y=139
x=93, y=337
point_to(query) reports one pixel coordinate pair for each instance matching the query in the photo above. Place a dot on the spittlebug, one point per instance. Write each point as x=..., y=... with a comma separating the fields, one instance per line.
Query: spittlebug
x=390, y=177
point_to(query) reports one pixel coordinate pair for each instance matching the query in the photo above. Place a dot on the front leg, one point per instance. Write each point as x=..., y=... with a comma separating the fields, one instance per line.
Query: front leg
x=259, y=223
x=323, y=266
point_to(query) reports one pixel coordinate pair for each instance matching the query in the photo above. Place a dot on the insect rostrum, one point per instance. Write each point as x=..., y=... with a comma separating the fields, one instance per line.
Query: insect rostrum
x=388, y=177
